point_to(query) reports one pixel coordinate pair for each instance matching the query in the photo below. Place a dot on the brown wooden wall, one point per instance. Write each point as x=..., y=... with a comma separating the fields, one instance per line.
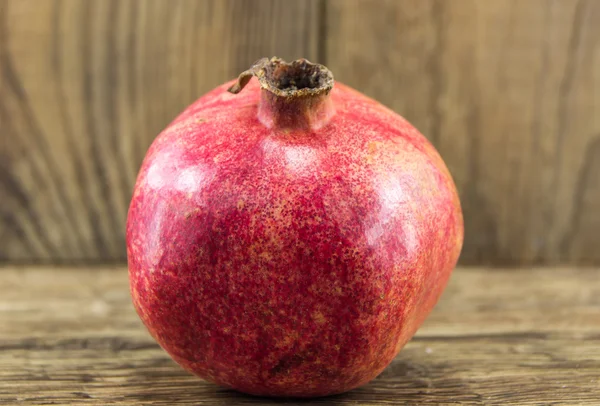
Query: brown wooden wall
x=509, y=92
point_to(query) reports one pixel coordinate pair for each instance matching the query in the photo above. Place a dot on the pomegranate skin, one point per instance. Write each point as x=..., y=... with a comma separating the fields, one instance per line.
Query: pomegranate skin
x=289, y=261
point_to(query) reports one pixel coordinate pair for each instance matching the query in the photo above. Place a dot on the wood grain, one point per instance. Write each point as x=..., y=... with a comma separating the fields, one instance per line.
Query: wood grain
x=509, y=92
x=87, y=85
x=71, y=336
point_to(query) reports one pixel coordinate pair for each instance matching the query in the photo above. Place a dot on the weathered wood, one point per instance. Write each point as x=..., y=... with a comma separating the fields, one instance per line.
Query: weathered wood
x=87, y=85
x=71, y=336
x=508, y=92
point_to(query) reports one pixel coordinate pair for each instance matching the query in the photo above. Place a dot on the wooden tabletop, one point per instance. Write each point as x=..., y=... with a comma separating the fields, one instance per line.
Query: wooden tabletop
x=71, y=336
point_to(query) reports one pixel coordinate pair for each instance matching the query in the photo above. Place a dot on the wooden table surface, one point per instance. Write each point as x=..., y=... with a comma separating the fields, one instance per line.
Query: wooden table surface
x=521, y=336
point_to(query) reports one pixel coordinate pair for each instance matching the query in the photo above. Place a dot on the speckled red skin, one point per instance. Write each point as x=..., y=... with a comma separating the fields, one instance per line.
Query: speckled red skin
x=287, y=262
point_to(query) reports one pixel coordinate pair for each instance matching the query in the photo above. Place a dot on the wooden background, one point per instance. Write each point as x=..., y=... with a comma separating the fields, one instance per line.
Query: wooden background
x=508, y=91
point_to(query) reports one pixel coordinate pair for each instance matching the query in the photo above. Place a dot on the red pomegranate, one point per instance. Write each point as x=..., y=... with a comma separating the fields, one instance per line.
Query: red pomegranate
x=290, y=239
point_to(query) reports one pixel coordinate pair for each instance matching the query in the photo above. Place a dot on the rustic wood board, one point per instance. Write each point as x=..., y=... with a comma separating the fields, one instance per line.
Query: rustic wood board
x=507, y=91
x=524, y=337
x=86, y=86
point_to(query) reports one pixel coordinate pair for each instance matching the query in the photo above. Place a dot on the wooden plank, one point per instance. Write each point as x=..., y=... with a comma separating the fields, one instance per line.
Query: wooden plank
x=71, y=336
x=508, y=91
x=87, y=85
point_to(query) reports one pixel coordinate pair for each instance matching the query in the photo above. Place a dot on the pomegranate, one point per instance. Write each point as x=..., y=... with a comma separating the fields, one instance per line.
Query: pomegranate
x=287, y=237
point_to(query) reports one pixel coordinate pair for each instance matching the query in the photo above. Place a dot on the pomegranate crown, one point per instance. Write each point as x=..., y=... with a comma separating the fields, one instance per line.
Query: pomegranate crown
x=293, y=79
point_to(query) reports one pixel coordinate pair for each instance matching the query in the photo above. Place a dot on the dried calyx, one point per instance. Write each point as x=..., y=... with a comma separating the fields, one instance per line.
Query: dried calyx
x=294, y=79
